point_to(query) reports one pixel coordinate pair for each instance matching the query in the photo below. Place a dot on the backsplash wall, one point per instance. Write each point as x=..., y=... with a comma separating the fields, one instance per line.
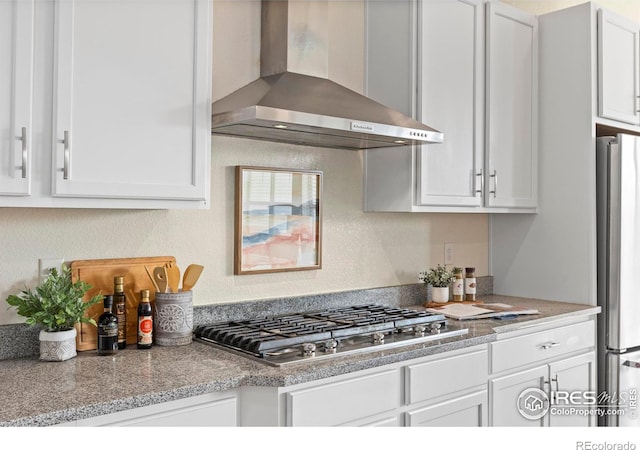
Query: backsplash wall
x=360, y=250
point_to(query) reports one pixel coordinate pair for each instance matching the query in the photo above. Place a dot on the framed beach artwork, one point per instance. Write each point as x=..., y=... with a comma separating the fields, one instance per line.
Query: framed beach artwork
x=278, y=220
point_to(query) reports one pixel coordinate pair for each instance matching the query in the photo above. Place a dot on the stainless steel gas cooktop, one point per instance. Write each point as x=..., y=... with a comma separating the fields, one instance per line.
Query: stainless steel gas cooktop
x=304, y=337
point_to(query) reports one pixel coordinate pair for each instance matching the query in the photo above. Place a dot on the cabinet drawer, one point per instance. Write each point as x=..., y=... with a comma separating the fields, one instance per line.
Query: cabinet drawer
x=541, y=346
x=467, y=411
x=444, y=376
x=345, y=401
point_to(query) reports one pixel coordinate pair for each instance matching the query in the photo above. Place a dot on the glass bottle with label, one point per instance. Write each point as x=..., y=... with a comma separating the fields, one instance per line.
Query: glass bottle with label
x=145, y=321
x=120, y=306
x=458, y=285
x=470, y=284
x=107, y=329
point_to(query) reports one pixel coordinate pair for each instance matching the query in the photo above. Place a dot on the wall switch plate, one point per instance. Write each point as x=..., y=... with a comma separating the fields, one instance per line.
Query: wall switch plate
x=448, y=254
x=46, y=264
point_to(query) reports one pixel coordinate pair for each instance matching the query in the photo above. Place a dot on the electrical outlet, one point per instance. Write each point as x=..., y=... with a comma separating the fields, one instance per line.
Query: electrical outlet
x=46, y=264
x=448, y=254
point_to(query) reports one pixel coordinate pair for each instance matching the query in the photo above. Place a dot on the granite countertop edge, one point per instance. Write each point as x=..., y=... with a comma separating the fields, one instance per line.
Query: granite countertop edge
x=234, y=371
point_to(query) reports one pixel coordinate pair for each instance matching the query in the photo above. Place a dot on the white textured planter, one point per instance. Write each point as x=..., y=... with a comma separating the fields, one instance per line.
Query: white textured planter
x=57, y=345
x=440, y=294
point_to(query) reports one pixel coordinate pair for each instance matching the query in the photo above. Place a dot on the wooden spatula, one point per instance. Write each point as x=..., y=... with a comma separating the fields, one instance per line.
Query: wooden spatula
x=173, y=276
x=160, y=275
x=191, y=276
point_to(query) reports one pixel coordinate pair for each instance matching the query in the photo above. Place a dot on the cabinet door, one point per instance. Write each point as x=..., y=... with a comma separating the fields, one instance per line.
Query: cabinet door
x=132, y=99
x=467, y=411
x=450, y=87
x=618, y=69
x=573, y=375
x=16, y=84
x=505, y=392
x=511, y=102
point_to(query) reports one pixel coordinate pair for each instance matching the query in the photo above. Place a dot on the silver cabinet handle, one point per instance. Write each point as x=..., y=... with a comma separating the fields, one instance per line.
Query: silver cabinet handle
x=554, y=380
x=494, y=175
x=633, y=364
x=548, y=345
x=481, y=175
x=67, y=156
x=25, y=153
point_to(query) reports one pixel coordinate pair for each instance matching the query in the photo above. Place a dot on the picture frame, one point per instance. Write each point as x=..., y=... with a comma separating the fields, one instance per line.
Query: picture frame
x=278, y=220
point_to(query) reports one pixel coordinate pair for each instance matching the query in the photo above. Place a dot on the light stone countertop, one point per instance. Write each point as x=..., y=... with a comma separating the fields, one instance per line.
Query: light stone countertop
x=37, y=393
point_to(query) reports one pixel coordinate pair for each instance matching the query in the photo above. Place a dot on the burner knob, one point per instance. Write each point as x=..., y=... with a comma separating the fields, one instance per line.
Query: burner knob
x=330, y=346
x=435, y=328
x=308, y=349
x=419, y=330
x=378, y=338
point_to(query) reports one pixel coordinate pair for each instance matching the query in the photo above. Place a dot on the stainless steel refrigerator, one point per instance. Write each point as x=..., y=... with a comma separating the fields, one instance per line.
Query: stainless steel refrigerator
x=618, y=231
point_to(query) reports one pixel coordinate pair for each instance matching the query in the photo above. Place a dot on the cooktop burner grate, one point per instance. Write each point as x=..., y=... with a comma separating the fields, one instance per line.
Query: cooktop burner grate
x=337, y=330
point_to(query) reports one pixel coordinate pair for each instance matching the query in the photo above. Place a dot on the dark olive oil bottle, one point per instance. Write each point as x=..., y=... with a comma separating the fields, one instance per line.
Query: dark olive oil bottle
x=107, y=329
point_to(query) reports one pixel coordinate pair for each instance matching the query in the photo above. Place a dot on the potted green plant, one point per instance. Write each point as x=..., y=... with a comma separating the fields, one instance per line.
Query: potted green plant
x=56, y=305
x=440, y=278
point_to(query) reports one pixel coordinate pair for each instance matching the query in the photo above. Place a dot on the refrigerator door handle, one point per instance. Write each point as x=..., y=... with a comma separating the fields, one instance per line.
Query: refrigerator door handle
x=633, y=364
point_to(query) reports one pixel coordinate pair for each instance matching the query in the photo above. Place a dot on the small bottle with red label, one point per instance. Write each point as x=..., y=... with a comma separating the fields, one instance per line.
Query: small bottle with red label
x=145, y=321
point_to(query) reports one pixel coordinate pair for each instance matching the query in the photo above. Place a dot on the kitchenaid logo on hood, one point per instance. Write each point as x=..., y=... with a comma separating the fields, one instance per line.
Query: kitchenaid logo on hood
x=362, y=126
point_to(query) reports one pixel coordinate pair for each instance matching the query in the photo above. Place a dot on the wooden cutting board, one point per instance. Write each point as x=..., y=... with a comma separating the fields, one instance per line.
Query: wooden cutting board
x=99, y=273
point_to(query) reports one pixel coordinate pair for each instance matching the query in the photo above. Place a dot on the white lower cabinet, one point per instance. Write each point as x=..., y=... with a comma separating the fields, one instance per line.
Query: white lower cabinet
x=550, y=380
x=449, y=391
x=504, y=397
x=344, y=401
x=467, y=411
x=207, y=410
x=447, y=388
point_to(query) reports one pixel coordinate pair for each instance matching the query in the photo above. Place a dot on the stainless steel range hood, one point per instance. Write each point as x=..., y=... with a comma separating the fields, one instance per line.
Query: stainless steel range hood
x=295, y=102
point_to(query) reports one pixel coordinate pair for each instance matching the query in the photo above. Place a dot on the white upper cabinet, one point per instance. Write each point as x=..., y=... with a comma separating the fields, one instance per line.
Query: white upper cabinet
x=451, y=77
x=512, y=111
x=16, y=89
x=131, y=99
x=121, y=104
x=473, y=76
x=618, y=68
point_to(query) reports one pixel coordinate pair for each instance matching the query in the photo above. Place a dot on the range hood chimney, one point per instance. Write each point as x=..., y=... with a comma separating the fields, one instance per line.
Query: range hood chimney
x=293, y=101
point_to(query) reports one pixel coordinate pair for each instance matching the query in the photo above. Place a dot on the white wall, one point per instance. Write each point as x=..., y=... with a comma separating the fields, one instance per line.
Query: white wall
x=360, y=250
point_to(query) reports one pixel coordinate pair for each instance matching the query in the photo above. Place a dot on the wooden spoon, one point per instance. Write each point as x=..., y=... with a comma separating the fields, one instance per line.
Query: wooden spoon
x=160, y=275
x=191, y=276
x=173, y=276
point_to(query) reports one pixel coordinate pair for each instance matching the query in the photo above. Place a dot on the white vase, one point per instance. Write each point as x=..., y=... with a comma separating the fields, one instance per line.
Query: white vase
x=440, y=294
x=57, y=345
